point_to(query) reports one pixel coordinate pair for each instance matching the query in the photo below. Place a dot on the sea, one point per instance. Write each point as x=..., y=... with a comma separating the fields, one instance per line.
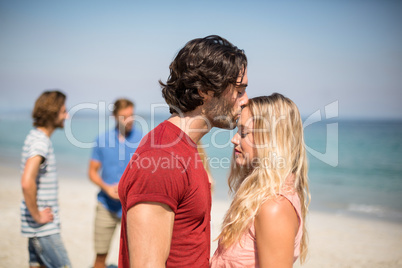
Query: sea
x=355, y=166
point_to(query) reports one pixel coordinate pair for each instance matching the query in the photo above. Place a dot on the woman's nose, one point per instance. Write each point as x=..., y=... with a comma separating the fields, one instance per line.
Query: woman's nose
x=235, y=139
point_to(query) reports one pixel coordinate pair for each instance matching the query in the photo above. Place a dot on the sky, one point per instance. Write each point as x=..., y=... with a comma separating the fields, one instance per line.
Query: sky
x=318, y=53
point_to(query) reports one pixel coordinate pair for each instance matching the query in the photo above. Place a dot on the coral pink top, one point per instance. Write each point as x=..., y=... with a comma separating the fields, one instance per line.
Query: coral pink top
x=244, y=253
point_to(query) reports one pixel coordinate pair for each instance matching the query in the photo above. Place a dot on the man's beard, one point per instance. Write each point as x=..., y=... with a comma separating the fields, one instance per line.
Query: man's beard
x=220, y=113
x=59, y=124
x=123, y=129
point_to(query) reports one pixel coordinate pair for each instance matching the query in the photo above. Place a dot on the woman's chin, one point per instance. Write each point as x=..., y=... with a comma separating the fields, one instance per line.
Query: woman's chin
x=241, y=163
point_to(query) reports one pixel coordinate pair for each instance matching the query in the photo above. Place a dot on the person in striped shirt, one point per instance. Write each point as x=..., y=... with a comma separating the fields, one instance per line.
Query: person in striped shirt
x=40, y=221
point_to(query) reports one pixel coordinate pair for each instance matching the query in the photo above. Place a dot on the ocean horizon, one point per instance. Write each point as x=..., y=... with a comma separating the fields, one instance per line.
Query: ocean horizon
x=355, y=165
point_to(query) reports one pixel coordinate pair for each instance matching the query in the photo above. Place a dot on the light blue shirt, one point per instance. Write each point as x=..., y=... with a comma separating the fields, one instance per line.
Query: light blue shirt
x=114, y=157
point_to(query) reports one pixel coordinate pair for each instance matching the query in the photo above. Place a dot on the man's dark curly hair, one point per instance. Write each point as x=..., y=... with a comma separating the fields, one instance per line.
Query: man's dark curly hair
x=47, y=108
x=204, y=64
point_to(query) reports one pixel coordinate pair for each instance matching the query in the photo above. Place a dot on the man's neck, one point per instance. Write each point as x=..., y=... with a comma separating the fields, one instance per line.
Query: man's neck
x=47, y=130
x=122, y=136
x=192, y=123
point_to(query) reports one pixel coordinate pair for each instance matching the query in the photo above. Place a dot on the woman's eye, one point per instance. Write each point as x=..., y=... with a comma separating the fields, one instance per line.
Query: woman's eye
x=243, y=134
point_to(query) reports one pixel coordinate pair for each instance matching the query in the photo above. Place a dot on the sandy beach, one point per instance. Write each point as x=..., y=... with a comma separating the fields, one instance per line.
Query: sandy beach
x=335, y=240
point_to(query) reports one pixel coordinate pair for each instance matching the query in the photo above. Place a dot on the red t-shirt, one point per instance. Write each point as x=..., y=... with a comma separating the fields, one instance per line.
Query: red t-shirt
x=166, y=168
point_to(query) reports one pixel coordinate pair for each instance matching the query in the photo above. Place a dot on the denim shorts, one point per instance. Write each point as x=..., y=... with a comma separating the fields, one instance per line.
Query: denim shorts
x=49, y=251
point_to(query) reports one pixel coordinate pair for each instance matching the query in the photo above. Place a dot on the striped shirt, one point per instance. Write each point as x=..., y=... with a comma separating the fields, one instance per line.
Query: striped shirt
x=37, y=143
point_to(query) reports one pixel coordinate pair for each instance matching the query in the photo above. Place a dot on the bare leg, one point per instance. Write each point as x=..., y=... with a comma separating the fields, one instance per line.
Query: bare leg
x=100, y=261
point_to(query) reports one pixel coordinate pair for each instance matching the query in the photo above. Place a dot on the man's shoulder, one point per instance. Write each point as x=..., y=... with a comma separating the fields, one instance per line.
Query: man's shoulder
x=35, y=136
x=165, y=136
x=151, y=151
x=104, y=136
x=135, y=132
x=135, y=136
x=158, y=155
x=107, y=133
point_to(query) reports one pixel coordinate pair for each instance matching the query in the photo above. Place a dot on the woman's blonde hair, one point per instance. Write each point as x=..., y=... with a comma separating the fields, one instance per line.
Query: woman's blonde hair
x=280, y=154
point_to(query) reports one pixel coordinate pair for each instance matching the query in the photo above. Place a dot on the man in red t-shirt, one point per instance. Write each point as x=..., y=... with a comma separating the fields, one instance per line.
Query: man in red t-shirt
x=165, y=190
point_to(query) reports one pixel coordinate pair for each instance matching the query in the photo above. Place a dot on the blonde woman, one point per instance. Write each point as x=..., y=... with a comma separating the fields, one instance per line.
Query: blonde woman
x=265, y=224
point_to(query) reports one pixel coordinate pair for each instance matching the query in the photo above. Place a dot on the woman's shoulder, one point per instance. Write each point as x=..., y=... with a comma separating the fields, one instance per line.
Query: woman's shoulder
x=276, y=213
x=277, y=205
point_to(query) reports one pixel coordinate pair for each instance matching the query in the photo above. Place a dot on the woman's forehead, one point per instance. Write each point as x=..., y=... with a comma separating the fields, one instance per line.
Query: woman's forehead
x=246, y=118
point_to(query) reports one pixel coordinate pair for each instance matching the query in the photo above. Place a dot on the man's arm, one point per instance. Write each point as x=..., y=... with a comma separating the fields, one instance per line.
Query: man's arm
x=29, y=190
x=93, y=173
x=149, y=234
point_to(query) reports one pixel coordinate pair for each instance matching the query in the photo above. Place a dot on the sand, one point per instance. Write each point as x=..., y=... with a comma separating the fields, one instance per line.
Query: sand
x=335, y=240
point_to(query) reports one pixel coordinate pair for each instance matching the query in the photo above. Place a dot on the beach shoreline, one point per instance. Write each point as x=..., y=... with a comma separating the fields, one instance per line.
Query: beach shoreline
x=335, y=240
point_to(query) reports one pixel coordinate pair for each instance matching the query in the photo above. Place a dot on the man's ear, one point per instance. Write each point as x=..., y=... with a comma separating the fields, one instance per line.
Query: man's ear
x=206, y=95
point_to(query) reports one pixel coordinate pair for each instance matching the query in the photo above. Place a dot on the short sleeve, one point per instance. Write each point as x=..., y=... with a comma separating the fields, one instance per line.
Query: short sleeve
x=39, y=147
x=155, y=176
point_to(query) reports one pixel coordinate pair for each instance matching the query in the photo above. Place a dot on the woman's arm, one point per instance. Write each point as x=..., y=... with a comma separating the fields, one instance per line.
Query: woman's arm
x=276, y=226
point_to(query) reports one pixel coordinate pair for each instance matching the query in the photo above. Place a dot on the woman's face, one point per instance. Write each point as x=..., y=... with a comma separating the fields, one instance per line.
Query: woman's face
x=243, y=140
